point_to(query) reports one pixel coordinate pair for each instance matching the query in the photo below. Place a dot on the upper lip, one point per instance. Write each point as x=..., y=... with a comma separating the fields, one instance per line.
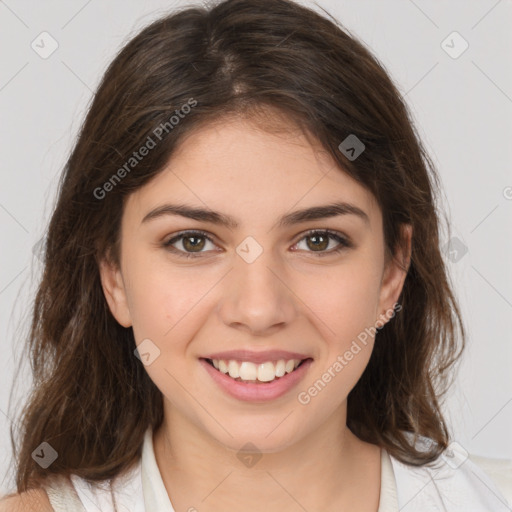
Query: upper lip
x=257, y=357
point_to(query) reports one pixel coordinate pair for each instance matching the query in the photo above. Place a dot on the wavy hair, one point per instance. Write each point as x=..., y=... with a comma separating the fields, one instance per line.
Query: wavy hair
x=91, y=399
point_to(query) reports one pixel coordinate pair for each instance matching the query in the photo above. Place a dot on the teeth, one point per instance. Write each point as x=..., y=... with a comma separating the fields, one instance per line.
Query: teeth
x=290, y=365
x=234, y=370
x=247, y=371
x=280, y=368
x=266, y=372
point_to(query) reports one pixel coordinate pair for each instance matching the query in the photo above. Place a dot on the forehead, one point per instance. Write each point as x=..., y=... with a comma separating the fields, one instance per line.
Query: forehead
x=244, y=170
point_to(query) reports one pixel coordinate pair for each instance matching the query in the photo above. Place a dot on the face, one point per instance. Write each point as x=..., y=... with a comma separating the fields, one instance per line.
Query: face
x=264, y=289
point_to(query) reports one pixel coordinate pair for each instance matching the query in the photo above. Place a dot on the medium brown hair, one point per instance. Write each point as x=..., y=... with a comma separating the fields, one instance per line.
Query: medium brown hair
x=92, y=399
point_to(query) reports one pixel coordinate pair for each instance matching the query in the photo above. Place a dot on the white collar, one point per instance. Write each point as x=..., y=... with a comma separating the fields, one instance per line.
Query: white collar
x=155, y=493
x=452, y=484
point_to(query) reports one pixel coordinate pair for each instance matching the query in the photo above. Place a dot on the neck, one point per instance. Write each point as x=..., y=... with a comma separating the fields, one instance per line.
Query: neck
x=327, y=469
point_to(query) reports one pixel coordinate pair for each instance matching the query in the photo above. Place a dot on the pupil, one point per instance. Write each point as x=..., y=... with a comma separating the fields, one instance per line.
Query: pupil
x=316, y=245
x=193, y=245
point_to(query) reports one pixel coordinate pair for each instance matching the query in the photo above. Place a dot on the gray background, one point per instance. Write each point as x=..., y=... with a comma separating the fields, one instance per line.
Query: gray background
x=462, y=107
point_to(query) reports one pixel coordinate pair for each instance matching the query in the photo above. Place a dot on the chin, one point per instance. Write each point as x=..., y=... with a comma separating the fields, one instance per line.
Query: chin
x=267, y=436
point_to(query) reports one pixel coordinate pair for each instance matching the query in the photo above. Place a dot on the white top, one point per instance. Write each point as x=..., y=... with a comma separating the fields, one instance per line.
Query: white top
x=455, y=484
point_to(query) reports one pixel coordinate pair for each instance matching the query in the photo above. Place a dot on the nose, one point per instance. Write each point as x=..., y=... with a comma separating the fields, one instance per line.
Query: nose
x=257, y=297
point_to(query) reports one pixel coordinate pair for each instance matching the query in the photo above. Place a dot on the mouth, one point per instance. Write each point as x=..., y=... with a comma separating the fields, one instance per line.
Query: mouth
x=252, y=373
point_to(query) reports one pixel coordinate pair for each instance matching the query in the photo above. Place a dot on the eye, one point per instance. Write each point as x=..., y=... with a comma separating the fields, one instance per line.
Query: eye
x=192, y=241
x=320, y=240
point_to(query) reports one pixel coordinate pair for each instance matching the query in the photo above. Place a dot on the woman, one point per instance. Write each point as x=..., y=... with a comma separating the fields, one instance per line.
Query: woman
x=244, y=301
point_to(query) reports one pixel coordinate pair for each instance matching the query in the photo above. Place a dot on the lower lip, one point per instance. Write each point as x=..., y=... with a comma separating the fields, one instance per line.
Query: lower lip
x=257, y=391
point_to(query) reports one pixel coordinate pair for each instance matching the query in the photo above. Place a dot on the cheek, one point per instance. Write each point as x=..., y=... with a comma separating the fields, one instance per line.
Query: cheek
x=345, y=315
x=344, y=300
x=168, y=307
x=165, y=305
x=152, y=301
x=166, y=301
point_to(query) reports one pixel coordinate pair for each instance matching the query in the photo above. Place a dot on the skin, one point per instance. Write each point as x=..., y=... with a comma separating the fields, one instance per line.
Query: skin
x=286, y=299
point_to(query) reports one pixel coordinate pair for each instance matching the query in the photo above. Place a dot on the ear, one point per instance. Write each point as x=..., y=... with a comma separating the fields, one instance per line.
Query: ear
x=115, y=292
x=394, y=275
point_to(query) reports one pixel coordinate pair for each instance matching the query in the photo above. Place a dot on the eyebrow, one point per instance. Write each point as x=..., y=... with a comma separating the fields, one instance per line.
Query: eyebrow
x=290, y=219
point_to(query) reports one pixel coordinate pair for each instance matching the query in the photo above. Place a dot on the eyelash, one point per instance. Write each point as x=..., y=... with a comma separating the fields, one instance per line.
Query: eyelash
x=344, y=243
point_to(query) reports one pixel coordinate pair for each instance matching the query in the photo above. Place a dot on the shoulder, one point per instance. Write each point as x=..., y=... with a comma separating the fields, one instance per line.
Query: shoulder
x=34, y=500
x=456, y=481
x=499, y=470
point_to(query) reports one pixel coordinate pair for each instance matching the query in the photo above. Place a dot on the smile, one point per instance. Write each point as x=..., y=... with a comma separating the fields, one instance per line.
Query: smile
x=241, y=379
x=247, y=371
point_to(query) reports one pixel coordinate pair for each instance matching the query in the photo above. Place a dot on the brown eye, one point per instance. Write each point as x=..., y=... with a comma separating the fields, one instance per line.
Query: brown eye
x=192, y=242
x=318, y=242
